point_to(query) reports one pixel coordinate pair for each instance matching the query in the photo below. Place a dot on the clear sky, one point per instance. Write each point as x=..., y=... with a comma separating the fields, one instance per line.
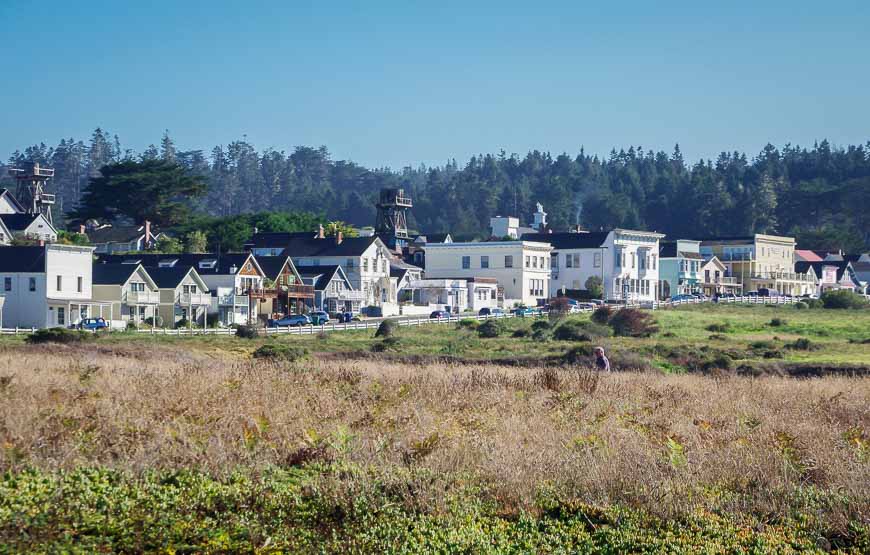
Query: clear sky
x=397, y=83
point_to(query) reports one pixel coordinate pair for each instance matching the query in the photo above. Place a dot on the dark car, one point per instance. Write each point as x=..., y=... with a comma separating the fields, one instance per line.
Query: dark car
x=523, y=311
x=486, y=311
x=294, y=320
x=93, y=324
x=438, y=314
x=765, y=292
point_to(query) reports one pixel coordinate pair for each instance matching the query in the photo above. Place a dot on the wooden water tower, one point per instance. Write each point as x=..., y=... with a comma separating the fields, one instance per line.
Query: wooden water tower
x=391, y=219
x=31, y=189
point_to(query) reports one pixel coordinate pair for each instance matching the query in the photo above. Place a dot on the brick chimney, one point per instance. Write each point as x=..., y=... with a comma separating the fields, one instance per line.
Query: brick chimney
x=320, y=234
x=147, y=232
x=339, y=237
x=82, y=229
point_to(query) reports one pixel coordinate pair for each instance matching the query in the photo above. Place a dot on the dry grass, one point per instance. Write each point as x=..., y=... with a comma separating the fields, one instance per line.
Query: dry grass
x=667, y=444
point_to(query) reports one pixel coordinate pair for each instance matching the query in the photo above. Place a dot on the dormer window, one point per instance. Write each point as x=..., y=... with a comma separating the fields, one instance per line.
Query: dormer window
x=208, y=264
x=167, y=263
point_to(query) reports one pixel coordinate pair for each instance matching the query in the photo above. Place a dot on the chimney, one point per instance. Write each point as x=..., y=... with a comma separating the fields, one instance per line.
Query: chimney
x=82, y=229
x=339, y=237
x=320, y=234
x=147, y=232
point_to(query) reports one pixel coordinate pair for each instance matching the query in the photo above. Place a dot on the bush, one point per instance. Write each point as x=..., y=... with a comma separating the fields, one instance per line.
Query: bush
x=843, y=298
x=247, y=332
x=801, y=305
x=391, y=343
x=814, y=303
x=467, y=324
x=717, y=337
x=724, y=327
x=387, y=328
x=58, y=335
x=541, y=325
x=631, y=322
x=777, y=322
x=602, y=314
x=184, y=322
x=489, y=329
x=131, y=326
x=571, y=331
x=522, y=332
x=802, y=344
x=581, y=354
x=281, y=351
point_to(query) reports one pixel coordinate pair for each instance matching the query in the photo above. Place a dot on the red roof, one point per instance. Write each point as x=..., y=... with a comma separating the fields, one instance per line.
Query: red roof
x=807, y=256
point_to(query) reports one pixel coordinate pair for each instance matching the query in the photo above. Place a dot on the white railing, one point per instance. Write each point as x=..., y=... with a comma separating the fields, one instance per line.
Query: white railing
x=141, y=297
x=233, y=300
x=452, y=319
x=187, y=299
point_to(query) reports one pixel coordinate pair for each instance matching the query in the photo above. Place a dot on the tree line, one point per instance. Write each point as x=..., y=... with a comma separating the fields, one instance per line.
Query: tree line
x=820, y=195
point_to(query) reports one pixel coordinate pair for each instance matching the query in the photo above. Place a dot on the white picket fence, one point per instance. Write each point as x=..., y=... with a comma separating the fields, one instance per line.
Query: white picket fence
x=373, y=324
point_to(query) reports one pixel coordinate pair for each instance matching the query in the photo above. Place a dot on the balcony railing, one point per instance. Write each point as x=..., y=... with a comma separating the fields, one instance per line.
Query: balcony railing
x=234, y=300
x=282, y=291
x=141, y=297
x=784, y=276
x=346, y=295
x=197, y=299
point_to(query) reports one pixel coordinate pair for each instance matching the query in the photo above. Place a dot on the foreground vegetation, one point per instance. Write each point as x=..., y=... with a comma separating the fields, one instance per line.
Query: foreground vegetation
x=445, y=439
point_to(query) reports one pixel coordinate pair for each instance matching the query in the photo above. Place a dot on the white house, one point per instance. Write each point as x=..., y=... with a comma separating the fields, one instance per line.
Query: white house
x=831, y=274
x=183, y=296
x=625, y=260
x=29, y=226
x=521, y=268
x=365, y=261
x=333, y=291
x=48, y=286
x=9, y=204
x=110, y=239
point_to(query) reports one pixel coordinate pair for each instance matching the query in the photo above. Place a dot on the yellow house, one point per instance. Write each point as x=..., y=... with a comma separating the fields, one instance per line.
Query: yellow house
x=760, y=261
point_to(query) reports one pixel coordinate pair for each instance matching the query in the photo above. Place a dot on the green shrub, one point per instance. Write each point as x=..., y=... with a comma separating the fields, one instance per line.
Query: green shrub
x=802, y=344
x=522, y=332
x=59, y=335
x=777, y=322
x=467, y=324
x=490, y=329
x=717, y=337
x=541, y=325
x=541, y=335
x=722, y=327
x=761, y=345
x=631, y=322
x=814, y=303
x=391, y=343
x=843, y=298
x=247, y=332
x=602, y=314
x=281, y=352
x=131, y=326
x=387, y=328
x=581, y=354
x=801, y=305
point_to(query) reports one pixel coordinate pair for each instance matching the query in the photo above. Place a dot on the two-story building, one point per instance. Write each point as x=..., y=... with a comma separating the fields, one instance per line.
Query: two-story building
x=184, y=296
x=715, y=279
x=680, y=264
x=112, y=239
x=333, y=291
x=760, y=261
x=284, y=291
x=48, y=286
x=831, y=275
x=625, y=260
x=133, y=294
x=35, y=227
x=365, y=261
x=521, y=268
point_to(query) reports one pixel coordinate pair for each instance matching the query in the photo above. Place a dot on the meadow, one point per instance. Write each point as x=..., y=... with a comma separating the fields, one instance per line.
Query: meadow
x=452, y=443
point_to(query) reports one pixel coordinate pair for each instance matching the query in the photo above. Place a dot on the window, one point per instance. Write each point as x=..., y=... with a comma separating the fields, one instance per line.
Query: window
x=79, y=284
x=384, y=266
x=7, y=284
x=534, y=262
x=596, y=260
x=554, y=261
x=60, y=283
x=484, y=262
x=365, y=264
x=466, y=262
x=706, y=276
x=642, y=262
x=208, y=264
x=508, y=261
x=61, y=316
x=653, y=260
x=33, y=284
x=632, y=259
x=349, y=263
x=617, y=259
x=528, y=262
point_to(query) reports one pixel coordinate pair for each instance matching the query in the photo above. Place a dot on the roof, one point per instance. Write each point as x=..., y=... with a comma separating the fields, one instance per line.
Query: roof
x=12, y=200
x=309, y=245
x=432, y=237
x=22, y=259
x=568, y=240
x=272, y=265
x=170, y=278
x=112, y=274
x=224, y=262
x=668, y=249
x=807, y=256
x=322, y=275
x=118, y=234
x=18, y=222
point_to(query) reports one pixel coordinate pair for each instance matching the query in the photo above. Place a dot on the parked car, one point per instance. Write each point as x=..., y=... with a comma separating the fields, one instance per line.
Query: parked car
x=682, y=298
x=292, y=320
x=765, y=292
x=583, y=307
x=523, y=311
x=486, y=311
x=438, y=314
x=752, y=294
x=93, y=324
x=318, y=317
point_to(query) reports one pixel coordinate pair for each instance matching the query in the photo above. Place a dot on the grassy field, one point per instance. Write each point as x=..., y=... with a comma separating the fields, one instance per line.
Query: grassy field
x=138, y=444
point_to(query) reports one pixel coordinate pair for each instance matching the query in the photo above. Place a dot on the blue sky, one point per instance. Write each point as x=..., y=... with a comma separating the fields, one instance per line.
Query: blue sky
x=398, y=83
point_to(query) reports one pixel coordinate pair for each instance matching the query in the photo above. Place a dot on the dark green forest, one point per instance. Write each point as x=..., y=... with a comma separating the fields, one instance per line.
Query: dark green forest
x=821, y=194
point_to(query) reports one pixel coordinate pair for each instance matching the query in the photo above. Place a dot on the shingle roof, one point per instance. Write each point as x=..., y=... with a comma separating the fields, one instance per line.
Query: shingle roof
x=272, y=265
x=667, y=249
x=167, y=278
x=11, y=198
x=322, y=274
x=18, y=222
x=564, y=240
x=807, y=256
x=112, y=274
x=117, y=234
x=22, y=259
x=224, y=261
x=308, y=245
x=802, y=267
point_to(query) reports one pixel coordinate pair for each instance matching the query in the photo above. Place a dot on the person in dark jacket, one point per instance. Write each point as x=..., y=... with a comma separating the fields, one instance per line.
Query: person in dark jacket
x=601, y=361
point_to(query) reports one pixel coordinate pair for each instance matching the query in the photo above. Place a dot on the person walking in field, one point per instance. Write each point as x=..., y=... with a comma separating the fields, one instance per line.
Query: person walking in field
x=601, y=361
